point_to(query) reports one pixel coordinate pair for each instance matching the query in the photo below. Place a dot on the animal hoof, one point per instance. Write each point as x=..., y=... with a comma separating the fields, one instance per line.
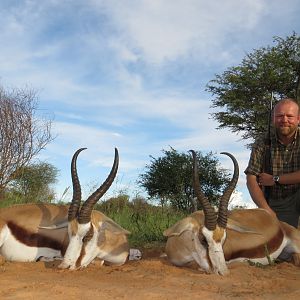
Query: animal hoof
x=63, y=265
x=135, y=254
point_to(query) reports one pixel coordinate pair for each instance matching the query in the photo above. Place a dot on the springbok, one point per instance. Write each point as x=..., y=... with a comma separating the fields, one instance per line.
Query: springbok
x=76, y=234
x=211, y=239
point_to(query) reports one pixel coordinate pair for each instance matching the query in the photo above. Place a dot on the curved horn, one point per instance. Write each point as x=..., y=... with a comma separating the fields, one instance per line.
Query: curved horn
x=86, y=209
x=210, y=220
x=223, y=206
x=75, y=204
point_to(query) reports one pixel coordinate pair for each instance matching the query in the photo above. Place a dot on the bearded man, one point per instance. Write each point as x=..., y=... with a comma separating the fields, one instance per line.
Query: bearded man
x=283, y=182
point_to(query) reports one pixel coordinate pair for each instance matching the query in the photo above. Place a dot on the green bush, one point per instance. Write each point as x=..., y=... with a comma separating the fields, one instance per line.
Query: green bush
x=145, y=222
x=11, y=199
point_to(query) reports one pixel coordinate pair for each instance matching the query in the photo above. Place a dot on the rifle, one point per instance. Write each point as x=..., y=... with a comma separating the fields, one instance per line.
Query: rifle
x=267, y=164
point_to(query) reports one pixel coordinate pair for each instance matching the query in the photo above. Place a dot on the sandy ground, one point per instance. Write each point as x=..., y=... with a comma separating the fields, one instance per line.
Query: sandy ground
x=153, y=277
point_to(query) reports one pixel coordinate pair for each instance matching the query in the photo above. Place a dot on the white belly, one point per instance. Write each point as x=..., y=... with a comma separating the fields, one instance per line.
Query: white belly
x=13, y=250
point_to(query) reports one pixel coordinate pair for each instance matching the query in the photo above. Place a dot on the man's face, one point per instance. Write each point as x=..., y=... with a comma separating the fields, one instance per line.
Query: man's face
x=286, y=119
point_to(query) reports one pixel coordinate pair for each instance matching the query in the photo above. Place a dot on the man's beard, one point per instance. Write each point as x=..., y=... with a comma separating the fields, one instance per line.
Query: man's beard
x=286, y=131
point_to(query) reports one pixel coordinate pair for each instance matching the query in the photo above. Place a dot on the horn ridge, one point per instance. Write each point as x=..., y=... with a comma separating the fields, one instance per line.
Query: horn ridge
x=75, y=203
x=210, y=220
x=223, y=205
x=86, y=209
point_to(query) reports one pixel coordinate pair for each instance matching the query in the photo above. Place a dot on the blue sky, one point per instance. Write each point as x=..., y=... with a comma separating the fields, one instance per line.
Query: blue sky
x=131, y=74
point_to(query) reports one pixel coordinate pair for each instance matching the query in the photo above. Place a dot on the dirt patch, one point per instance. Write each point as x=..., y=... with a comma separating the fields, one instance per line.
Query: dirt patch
x=153, y=277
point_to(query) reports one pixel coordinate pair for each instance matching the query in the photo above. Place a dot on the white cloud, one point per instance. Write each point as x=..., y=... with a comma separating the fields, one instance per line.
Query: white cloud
x=167, y=30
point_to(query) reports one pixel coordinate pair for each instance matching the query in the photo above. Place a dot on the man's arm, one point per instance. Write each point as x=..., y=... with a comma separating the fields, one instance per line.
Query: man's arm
x=288, y=178
x=257, y=194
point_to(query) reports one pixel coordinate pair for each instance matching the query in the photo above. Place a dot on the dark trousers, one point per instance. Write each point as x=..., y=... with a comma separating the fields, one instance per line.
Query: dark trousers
x=287, y=209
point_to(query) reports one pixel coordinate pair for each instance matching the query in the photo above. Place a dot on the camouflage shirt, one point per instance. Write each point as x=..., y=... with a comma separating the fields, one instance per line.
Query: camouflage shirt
x=284, y=159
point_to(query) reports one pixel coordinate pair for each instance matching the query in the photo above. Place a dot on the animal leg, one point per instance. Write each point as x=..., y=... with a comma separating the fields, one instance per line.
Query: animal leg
x=48, y=259
x=296, y=259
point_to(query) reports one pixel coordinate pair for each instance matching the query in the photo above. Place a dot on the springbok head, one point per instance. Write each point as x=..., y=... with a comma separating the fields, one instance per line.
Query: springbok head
x=214, y=229
x=81, y=230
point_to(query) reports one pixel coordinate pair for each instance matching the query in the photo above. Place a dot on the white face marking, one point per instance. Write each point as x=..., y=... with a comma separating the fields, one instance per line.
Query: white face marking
x=91, y=250
x=74, y=247
x=215, y=252
x=200, y=256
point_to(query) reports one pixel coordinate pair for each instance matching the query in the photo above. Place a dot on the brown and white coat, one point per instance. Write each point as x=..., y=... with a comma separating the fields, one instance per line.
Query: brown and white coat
x=212, y=239
x=76, y=234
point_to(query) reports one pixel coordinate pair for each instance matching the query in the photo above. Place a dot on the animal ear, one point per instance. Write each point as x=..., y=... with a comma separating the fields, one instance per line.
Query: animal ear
x=113, y=227
x=183, y=225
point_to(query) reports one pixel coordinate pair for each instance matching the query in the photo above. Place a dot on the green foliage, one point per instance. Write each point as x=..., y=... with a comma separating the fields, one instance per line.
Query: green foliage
x=256, y=264
x=11, y=198
x=243, y=92
x=271, y=262
x=145, y=222
x=32, y=184
x=169, y=178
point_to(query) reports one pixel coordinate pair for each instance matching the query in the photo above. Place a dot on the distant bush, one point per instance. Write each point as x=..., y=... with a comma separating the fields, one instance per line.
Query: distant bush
x=11, y=199
x=30, y=184
x=146, y=222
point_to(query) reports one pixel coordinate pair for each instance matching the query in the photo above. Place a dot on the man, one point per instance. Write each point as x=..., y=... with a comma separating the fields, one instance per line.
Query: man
x=284, y=181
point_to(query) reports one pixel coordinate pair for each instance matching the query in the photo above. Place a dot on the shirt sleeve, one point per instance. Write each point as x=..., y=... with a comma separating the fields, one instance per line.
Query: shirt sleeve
x=255, y=164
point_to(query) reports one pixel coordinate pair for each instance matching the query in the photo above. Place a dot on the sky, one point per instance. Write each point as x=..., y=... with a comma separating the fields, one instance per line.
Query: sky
x=132, y=74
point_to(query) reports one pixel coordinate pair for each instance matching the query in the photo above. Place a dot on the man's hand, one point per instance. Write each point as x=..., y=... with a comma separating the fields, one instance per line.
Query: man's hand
x=265, y=179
